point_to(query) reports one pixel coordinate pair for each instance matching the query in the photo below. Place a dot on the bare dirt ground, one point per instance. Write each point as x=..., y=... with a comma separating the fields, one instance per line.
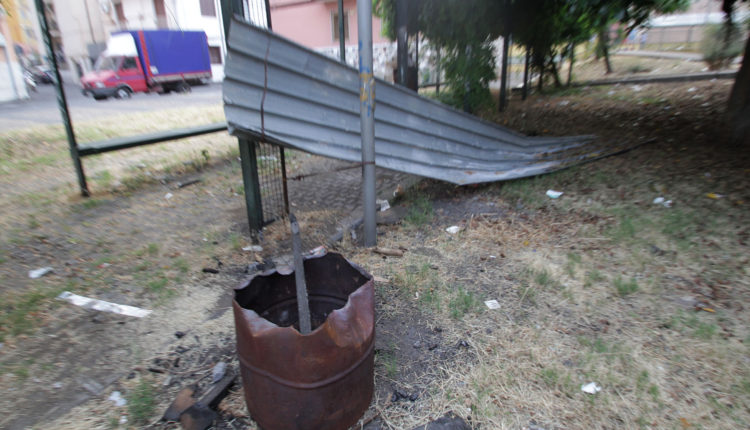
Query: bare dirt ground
x=601, y=285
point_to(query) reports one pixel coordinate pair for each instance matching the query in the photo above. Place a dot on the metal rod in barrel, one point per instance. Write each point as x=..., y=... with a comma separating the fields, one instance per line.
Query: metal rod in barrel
x=303, y=307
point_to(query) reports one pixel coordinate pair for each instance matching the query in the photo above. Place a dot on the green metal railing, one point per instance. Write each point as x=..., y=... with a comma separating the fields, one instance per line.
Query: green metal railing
x=248, y=157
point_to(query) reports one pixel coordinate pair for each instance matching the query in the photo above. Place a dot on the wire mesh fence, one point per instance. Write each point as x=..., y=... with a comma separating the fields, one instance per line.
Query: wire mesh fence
x=271, y=178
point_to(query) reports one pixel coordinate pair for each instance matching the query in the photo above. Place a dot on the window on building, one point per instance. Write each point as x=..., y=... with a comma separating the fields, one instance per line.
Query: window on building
x=208, y=8
x=335, y=25
x=215, y=53
x=120, y=12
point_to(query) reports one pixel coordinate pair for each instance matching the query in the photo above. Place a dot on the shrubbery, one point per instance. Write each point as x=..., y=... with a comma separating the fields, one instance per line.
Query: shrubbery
x=721, y=44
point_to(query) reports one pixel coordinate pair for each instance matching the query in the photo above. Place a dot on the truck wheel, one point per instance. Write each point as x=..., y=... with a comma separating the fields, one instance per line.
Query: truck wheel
x=100, y=98
x=183, y=88
x=123, y=93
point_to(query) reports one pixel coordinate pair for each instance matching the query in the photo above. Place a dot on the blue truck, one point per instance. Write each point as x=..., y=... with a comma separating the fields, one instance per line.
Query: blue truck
x=149, y=60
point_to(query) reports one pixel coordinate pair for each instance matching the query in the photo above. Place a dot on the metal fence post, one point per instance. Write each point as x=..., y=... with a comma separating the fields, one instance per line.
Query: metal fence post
x=62, y=102
x=367, y=117
x=342, y=33
x=250, y=181
x=248, y=160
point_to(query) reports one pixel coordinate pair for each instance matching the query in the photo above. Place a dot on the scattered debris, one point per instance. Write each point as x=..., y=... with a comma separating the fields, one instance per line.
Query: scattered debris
x=253, y=248
x=384, y=205
x=399, y=395
x=492, y=304
x=316, y=252
x=186, y=183
x=453, y=229
x=591, y=388
x=661, y=201
x=101, y=305
x=117, y=399
x=179, y=334
x=389, y=252
x=210, y=270
x=554, y=194
x=198, y=415
x=219, y=371
x=38, y=273
x=715, y=196
x=168, y=196
x=379, y=279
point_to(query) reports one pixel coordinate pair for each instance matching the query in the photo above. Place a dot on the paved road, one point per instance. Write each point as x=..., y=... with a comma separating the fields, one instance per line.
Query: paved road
x=42, y=108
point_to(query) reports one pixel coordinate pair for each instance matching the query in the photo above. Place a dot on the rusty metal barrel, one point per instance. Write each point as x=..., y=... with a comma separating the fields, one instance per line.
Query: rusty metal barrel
x=322, y=380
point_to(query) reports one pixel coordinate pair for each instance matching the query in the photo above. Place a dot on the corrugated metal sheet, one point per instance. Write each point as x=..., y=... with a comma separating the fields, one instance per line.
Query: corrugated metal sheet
x=286, y=94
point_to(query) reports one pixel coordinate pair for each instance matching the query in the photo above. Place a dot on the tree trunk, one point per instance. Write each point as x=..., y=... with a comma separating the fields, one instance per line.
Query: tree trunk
x=504, y=74
x=603, y=42
x=739, y=102
x=572, y=58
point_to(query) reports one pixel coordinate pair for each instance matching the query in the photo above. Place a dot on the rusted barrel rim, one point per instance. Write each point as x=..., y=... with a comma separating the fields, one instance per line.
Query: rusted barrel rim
x=286, y=270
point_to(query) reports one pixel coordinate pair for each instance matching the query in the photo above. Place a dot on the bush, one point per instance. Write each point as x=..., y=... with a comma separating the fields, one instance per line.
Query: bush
x=721, y=44
x=468, y=72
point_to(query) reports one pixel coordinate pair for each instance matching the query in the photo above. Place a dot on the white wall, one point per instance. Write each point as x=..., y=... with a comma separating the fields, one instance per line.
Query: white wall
x=7, y=92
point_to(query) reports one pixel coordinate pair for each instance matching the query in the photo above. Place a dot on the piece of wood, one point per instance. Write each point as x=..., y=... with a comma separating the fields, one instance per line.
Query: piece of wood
x=218, y=391
x=197, y=417
x=389, y=252
x=303, y=307
x=180, y=404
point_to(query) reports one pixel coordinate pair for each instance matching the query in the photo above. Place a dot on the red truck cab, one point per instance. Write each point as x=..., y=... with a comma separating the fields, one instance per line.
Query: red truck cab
x=118, y=76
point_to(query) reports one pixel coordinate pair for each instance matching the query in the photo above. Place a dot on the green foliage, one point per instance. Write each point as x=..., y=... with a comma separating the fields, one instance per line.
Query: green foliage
x=141, y=402
x=721, y=44
x=468, y=72
x=625, y=287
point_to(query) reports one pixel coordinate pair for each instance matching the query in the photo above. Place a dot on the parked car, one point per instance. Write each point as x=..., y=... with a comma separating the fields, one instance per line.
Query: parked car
x=43, y=74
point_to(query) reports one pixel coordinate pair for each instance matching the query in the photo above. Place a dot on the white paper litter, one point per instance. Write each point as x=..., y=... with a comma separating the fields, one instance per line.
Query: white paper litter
x=661, y=201
x=591, y=388
x=101, y=305
x=117, y=399
x=492, y=304
x=384, y=205
x=554, y=194
x=168, y=196
x=38, y=273
x=453, y=229
x=254, y=248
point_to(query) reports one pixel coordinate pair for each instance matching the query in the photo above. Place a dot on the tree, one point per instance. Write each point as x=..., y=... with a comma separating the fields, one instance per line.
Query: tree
x=738, y=108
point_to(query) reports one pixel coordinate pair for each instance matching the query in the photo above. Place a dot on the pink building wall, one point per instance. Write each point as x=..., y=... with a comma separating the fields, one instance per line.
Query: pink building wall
x=308, y=22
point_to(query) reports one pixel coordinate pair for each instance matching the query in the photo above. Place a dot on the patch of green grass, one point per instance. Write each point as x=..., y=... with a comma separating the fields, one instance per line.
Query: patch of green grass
x=16, y=314
x=549, y=377
x=389, y=362
x=141, y=402
x=574, y=260
x=88, y=203
x=593, y=276
x=103, y=179
x=158, y=284
x=420, y=211
x=152, y=249
x=236, y=241
x=680, y=226
x=624, y=287
x=693, y=324
x=182, y=265
x=462, y=303
x=33, y=223
x=543, y=278
x=136, y=181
